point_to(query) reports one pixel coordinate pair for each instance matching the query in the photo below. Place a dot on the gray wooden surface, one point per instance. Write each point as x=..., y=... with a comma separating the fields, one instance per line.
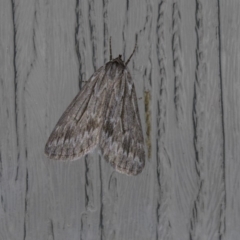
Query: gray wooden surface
x=186, y=73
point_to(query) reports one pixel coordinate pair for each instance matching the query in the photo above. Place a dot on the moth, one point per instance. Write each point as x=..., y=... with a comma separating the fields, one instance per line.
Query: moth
x=104, y=114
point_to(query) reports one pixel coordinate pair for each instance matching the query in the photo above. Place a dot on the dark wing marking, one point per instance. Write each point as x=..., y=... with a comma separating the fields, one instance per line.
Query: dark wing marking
x=77, y=131
x=121, y=140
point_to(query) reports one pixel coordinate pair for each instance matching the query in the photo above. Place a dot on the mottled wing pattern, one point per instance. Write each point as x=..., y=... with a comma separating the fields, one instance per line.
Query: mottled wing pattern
x=121, y=140
x=77, y=131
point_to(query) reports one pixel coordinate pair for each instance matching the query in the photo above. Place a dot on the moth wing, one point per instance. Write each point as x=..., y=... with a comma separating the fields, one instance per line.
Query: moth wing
x=121, y=141
x=77, y=131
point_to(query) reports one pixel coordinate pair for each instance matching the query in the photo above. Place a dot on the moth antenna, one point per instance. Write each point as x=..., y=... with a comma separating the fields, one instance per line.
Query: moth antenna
x=131, y=54
x=110, y=44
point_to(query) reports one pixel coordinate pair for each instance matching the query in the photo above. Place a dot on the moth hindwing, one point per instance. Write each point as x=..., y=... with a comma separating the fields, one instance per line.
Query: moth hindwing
x=104, y=114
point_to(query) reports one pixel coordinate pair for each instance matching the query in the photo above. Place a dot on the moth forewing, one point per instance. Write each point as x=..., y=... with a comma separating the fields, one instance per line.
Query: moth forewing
x=104, y=114
x=77, y=131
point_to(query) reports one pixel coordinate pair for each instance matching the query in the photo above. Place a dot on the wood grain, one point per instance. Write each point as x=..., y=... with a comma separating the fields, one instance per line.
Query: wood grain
x=187, y=61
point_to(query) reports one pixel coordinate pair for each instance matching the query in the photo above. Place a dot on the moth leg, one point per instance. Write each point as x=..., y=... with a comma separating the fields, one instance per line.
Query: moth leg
x=110, y=44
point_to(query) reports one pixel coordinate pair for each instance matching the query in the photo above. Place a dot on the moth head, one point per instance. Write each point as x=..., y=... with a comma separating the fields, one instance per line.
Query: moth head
x=119, y=58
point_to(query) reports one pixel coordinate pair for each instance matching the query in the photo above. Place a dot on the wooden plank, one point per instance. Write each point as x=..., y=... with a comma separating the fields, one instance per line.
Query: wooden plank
x=185, y=72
